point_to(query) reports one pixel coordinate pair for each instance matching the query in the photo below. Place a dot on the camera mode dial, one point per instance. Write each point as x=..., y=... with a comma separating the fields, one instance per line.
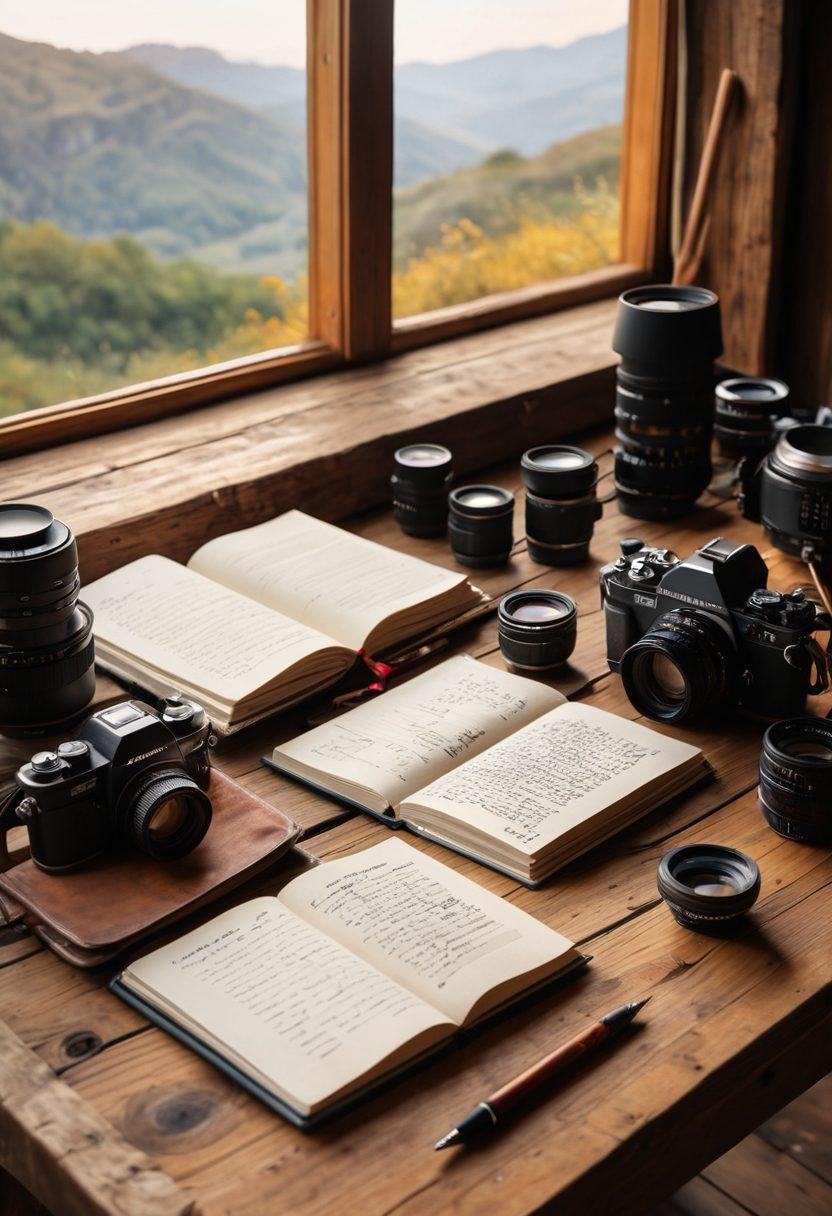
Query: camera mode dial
x=46, y=766
x=76, y=753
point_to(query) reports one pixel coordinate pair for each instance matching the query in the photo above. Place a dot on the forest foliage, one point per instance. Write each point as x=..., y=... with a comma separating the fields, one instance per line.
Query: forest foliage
x=80, y=317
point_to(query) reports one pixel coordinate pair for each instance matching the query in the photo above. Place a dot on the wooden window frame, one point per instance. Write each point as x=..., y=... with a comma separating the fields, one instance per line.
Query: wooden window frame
x=350, y=171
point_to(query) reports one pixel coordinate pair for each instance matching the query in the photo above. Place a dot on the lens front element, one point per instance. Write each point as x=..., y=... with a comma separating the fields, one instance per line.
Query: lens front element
x=168, y=815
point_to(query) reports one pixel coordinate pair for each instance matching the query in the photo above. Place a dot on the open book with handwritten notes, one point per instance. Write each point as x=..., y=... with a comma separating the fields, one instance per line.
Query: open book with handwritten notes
x=262, y=618
x=353, y=972
x=494, y=765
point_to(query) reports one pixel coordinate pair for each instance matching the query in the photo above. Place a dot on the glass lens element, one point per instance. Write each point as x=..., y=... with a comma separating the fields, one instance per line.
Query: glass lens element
x=668, y=677
x=169, y=818
x=536, y=611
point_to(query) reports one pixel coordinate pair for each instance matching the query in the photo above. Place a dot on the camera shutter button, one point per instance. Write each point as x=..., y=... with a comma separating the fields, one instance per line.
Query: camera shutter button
x=45, y=762
x=75, y=752
x=631, y=545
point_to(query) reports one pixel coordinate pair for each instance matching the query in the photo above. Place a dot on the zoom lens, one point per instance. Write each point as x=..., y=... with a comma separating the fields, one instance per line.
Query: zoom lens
x=561, y=503
x=796, y=779
x=537, y=630
x=168, y=816
x=668, y=338
x=422, y=475
x=480, y=525
x=683, y=663
x=746, y=410
x=46, y=646
x=708, y=887
x=796, y=493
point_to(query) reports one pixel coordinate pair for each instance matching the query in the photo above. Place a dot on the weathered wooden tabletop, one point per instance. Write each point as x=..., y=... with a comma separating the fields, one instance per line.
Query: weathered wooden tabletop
x=99, y=1112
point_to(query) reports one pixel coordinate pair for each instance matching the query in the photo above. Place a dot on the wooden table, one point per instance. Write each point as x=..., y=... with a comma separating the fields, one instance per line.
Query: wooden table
x=101, y=1113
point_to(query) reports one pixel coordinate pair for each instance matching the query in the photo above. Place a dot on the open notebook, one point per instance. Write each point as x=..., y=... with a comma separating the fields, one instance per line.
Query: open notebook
x=261, y=618
x=357, y=969
x=494, y=765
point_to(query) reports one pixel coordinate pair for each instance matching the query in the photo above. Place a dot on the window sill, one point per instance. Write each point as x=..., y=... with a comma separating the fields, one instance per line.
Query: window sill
x=324, y=445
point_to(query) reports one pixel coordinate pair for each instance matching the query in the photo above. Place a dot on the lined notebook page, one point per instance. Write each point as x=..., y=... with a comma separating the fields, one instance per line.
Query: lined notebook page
x=336, y=582
x=406, y=738
x=569, y=765
x=173, y=619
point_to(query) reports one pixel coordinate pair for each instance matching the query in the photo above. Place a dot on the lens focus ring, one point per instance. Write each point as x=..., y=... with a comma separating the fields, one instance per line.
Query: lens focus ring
x=161, y=789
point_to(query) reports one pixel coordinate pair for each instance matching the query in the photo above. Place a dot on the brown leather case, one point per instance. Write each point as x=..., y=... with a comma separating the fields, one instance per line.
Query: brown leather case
x=91, y=915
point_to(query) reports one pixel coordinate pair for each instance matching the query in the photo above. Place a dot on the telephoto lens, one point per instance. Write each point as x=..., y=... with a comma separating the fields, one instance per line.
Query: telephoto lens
x=796, y=493
x=746, y=411
x=422, y=474
x=46, y=644
x=708, y=887
x=480, y=525
x=561, y=503
x=668, y=338
x=796, y=779
x=537, y=629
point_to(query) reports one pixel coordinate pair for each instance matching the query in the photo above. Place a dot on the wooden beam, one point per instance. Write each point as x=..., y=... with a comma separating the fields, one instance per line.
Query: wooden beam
x=325, y=117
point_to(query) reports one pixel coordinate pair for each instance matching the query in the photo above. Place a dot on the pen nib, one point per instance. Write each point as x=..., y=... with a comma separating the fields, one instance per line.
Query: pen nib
x=447, y=1141
x=637, y=1005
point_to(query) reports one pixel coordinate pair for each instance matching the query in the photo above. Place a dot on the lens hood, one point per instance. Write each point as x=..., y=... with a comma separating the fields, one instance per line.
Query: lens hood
x=663, y=327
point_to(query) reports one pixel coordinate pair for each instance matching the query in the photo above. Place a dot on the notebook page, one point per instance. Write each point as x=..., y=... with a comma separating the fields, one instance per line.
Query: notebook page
x=552, y=776
x=297, y=1007
x=437, y=933
x=314, y=572
x=173, y=619
x=406, y=738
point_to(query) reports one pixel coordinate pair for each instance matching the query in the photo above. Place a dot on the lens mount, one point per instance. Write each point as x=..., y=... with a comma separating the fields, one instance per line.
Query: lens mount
x=684, y=662
x=168, y=815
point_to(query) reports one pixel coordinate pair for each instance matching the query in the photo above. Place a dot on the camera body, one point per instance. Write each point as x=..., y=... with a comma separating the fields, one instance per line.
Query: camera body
x=686, y=633
x=131, y=775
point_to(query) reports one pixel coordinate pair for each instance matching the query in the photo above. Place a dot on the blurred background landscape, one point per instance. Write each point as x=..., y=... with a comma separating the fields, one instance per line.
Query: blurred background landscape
x=153, y=200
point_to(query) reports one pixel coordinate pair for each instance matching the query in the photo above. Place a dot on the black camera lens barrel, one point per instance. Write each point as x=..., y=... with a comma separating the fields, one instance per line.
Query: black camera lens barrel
x=174, y=794
x=481, y=525
x=684, y=663
x=537, y=630
x=422, y=475
x=796, y=493
x=746, y=410
x=668, y=338
x=796, y=779
x=708, y=887
x=561, y=503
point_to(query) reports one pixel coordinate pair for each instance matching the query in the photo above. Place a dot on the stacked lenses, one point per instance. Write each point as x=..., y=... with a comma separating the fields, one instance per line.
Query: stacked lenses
x=561, y=503
x=480, y=525
x=422, y=474
x=46, y=644
x=796, y=779
x=746, y=411
x=668, y=338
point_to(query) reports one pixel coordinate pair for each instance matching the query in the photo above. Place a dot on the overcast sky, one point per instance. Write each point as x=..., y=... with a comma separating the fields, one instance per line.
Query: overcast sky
x=273, y=31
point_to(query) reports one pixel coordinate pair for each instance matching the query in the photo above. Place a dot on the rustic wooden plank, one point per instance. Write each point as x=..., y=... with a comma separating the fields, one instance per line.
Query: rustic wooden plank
x=769, y=1182
x=804, y=1130
x=66, y=1154
x=699, y=1198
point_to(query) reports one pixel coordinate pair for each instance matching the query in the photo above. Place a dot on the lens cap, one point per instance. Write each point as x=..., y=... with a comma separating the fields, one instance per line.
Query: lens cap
x=27, y=530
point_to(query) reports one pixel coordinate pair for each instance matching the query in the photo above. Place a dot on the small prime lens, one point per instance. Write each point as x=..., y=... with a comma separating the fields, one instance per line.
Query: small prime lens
x=683, y=663
x=746, y=410
x=561, y=503
x=537, y=629
x=708, y=887
x=796, y=493
x=168, y=816
x=668, y=338
x=422, y=474
x=480, y=525
x=46, y=644
x=796, y=779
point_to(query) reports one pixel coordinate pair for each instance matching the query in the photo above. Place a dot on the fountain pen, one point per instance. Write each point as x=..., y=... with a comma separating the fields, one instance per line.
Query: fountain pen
x=487, y=1116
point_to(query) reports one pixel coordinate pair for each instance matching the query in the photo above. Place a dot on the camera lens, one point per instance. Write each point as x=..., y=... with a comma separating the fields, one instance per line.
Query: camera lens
x=421, y=479
x=46, y=645
x=561, y=503
x=708, y=887
x=746, y=410
x=480, y=523
x=796, y=493
x=168, y=815
x=668, y=338
x=684, y=662
x=537, y=629
x=796, y=779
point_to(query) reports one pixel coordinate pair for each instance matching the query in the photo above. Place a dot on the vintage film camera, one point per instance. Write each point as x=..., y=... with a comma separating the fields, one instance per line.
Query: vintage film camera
x=132, y=775
x=686, y=635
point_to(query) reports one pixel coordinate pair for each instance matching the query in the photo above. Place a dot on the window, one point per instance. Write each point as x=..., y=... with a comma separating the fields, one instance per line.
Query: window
x=187, y=212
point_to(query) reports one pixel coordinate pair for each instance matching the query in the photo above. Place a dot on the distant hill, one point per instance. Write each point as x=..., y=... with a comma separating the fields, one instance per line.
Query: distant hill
x=101, y=145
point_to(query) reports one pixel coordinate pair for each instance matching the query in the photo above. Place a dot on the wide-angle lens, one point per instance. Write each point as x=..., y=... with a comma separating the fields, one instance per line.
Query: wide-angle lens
x=537, y=629
x=167, y=815
x=708, y=887
x=668, y=338
x=480, y=525
x=683, y=663
x=796, y=779
x=46, y=645
x=746, y=411
x=422, y=475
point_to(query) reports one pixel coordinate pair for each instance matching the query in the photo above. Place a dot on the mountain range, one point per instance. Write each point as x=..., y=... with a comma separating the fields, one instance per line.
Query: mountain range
x=196, y=154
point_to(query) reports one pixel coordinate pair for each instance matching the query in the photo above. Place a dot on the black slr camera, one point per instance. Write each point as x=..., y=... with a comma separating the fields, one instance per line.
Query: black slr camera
x=685, y=635
x=132, y=776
